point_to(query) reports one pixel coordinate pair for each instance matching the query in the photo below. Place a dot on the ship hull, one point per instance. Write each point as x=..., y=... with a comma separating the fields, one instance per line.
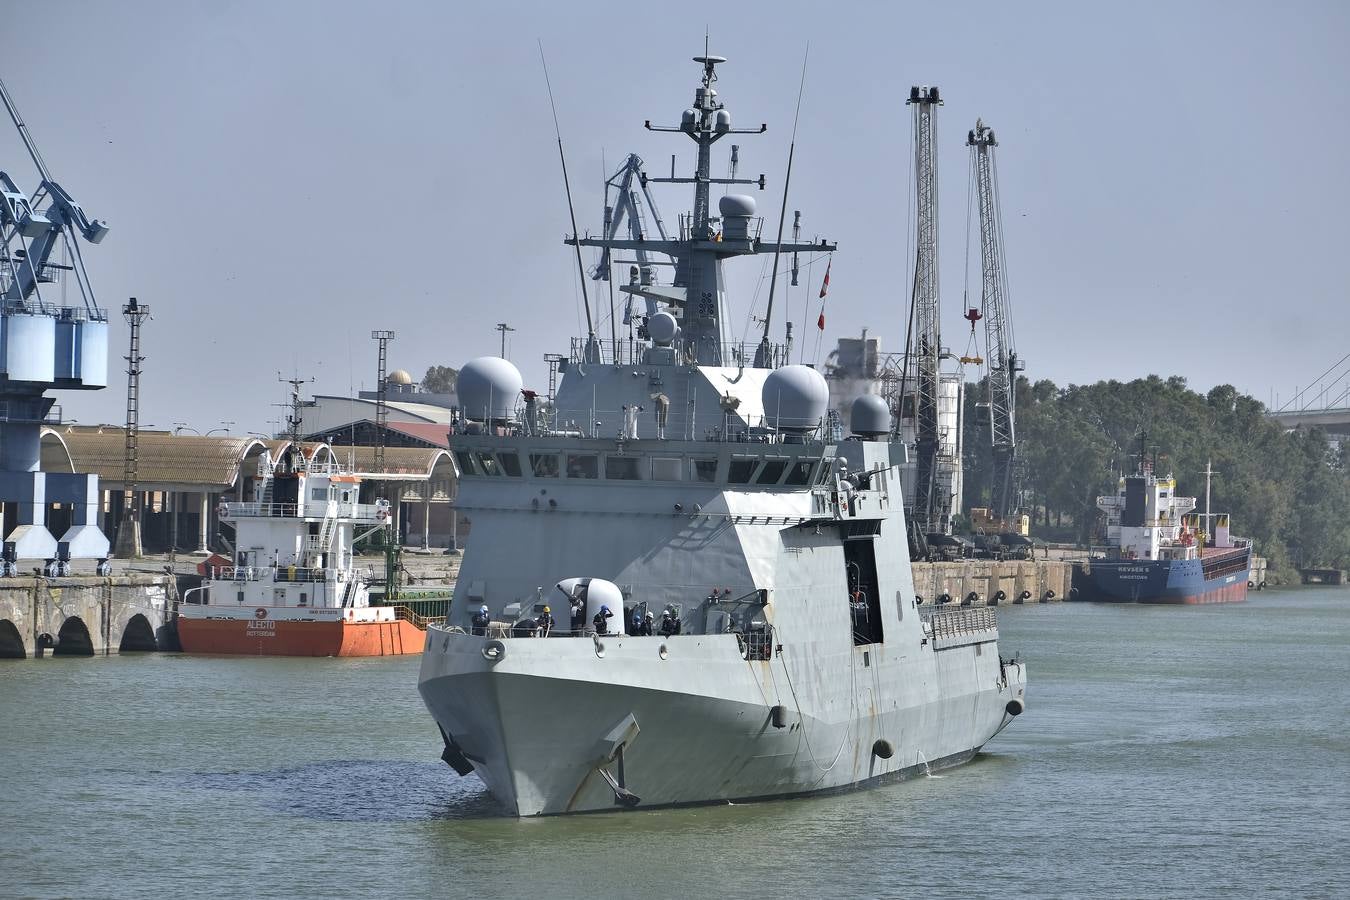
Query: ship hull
x=1216, y=578
x=279, y=637
x=697, y=726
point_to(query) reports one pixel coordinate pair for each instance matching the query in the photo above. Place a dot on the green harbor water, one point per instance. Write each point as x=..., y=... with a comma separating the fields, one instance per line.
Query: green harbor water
x=1166, y=751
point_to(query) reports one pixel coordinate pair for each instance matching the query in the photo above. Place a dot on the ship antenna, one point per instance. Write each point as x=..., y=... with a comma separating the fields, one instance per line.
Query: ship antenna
x=571, y=211
x=762, y=354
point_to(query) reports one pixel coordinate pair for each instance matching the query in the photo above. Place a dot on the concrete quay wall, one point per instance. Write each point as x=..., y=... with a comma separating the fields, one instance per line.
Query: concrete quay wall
x=1041, y=580
x=86, y=615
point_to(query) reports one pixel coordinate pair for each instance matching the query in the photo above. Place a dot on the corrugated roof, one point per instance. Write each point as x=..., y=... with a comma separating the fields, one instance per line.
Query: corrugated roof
x=162, y=458
x=432, y=434
x=402, y=463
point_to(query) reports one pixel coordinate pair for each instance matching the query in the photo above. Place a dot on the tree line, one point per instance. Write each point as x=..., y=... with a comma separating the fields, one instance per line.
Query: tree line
x=1287, y=490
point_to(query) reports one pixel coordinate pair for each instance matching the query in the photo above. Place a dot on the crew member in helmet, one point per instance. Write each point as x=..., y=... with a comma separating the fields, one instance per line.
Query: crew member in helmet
x=481, y=620
x=545, y=622
x=645, y=628
x=601, y=620
x=637, y=622
x=670, y=623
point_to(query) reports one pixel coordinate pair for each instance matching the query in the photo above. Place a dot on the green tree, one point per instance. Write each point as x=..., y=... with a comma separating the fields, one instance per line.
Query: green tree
x=440, y=380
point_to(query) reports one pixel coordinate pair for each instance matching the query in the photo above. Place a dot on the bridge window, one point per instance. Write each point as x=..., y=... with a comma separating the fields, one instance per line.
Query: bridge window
x=510, y=462
x=621, y=468
x=800, y=472
x=666, y=468
x=704, y=470
x=583, y=465
x=772, y=471
x=742, y=469
x=544, y=465
x=489, y=463
x=465, y=461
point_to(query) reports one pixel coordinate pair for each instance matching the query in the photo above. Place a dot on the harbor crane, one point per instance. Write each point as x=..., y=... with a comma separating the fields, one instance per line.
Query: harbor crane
x=923, y=345
x=1000, y=351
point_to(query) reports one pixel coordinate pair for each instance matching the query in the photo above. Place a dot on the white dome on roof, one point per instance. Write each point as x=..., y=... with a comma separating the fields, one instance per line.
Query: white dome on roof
x=795, y=398
x=489, y=387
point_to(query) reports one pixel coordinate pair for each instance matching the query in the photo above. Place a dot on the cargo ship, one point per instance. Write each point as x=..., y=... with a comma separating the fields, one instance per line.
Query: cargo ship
x=294, y=588
x=1163, y=552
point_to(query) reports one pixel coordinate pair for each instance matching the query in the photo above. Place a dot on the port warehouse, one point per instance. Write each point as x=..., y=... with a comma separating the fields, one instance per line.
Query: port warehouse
x=181, y=480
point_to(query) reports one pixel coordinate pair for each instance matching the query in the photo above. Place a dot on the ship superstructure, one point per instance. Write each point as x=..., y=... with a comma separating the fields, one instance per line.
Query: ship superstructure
x=683, y=585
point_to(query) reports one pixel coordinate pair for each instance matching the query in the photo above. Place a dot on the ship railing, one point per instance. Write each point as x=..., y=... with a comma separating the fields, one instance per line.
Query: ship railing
x=317, y=510
x=287, y=573
x=630, y=352
x=951, y=623
x=417, y=621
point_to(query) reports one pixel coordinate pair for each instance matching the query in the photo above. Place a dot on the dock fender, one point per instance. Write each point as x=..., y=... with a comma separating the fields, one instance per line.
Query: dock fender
x=1025, y=595
x=1015, y=706
x=1049, y=595
x=778, y=716
x=999, y=597
x=494, y=651
x=883, y=749
x=944, y=598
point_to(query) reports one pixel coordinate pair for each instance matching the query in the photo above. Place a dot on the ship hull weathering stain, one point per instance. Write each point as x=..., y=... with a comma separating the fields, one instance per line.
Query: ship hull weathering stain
x=682, y=585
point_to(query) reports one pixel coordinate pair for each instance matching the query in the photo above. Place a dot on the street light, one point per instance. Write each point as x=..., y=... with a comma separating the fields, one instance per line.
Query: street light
x=180, y=427
x=225, y=428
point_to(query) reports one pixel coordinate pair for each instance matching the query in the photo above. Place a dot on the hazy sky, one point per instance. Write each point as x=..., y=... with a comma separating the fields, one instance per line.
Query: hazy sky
x=283, y=177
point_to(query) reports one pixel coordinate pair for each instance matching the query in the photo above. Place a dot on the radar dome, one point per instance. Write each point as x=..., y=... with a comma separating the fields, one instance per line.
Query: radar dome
x=736, y=205
x=488, y=389
x=795, y=398
x=736, y=211
x=870, y=416
x=663, y=328
x=398, y=376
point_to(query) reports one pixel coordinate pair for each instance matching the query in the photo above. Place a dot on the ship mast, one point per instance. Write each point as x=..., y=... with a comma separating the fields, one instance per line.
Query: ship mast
x=696, y=294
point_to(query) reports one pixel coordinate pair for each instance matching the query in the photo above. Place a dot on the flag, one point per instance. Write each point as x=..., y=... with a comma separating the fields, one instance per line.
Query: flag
x=820, y=323
x=825, y=285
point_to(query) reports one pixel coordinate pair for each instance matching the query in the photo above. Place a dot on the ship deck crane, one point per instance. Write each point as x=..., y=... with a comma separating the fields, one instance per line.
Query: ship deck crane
x=1000, y=350
x=630, y=190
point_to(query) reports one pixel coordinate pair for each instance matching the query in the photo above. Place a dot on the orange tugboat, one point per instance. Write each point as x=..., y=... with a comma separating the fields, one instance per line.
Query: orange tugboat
x=294, y=588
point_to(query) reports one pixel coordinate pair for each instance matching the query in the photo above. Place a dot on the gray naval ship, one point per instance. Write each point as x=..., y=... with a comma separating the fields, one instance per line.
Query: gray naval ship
x=683, y=584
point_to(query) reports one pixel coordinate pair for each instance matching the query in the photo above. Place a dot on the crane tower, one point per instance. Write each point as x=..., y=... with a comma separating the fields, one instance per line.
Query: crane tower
x=931, y=504
x=1004, y=363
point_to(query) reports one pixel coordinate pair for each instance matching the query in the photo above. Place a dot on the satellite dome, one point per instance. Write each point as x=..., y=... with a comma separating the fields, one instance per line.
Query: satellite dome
x=488, y=389
x=663, y=328
x=870, y=416
x=795, y=398
x=398, y=376
x=736, y=205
